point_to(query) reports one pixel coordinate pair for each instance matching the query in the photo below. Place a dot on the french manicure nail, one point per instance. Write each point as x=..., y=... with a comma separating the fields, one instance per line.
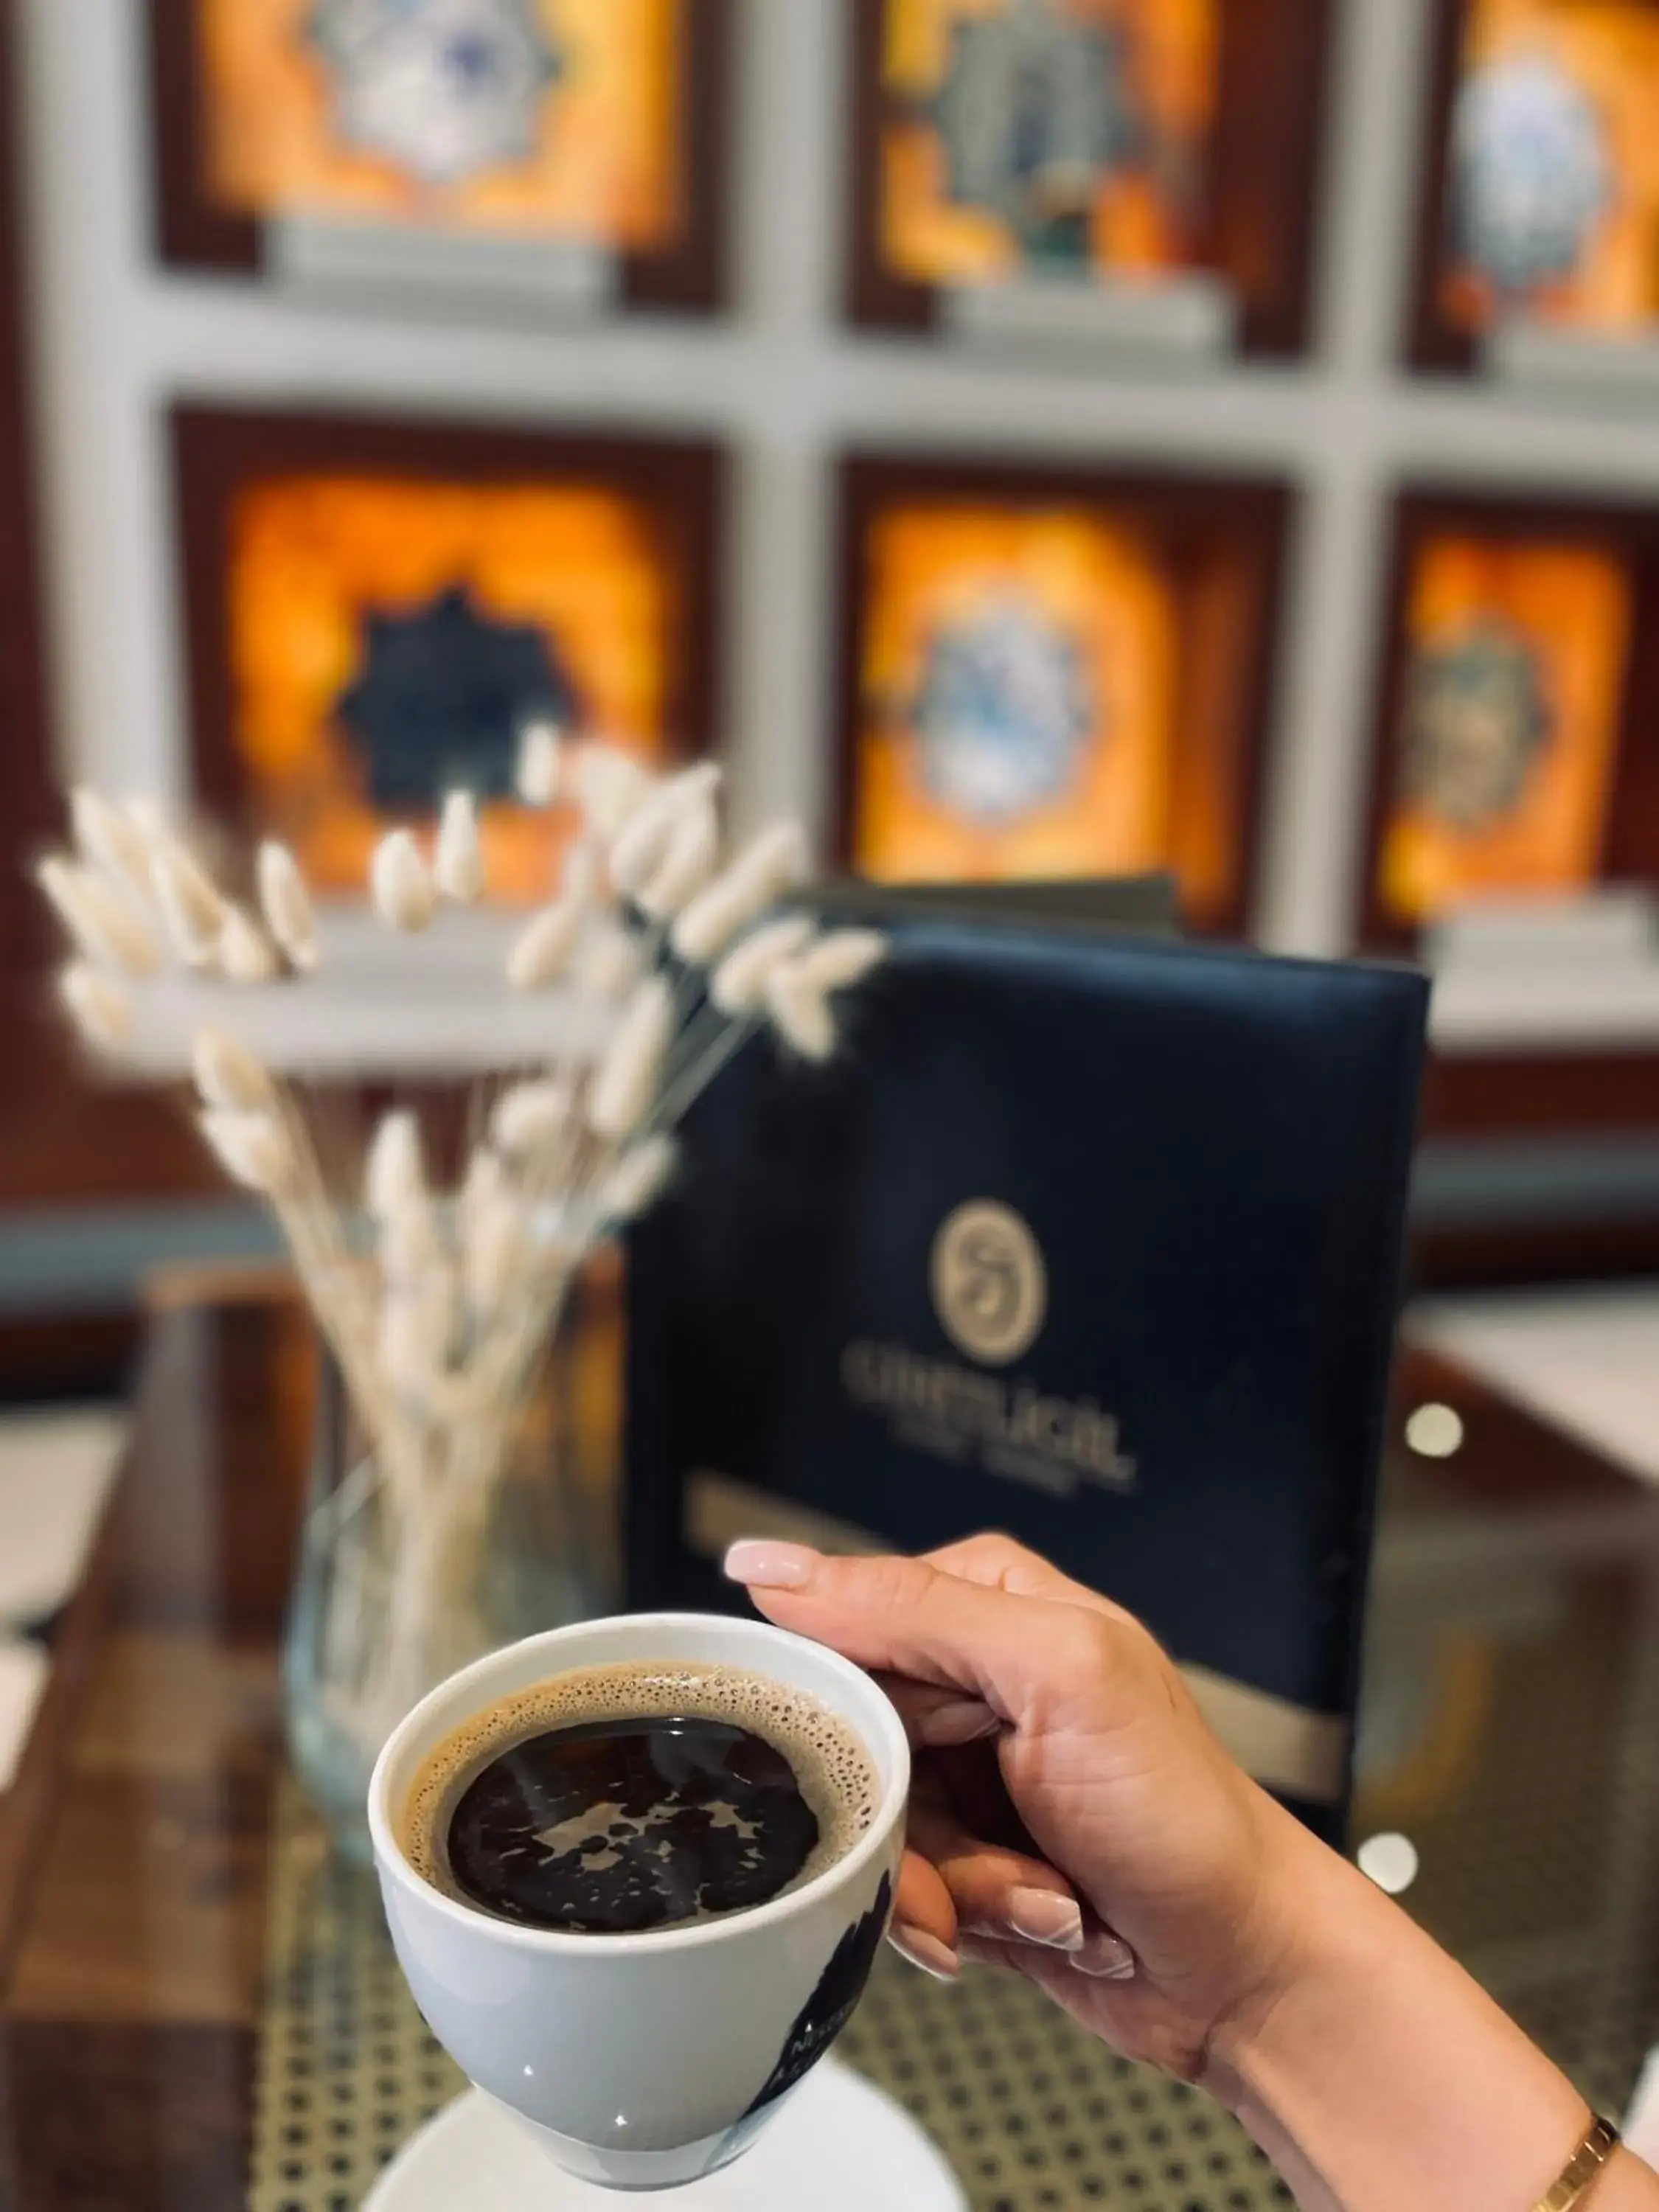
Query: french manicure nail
x=1106, y=1958
x=1042, y=1916
x=760, y=1563
x=926, y=1951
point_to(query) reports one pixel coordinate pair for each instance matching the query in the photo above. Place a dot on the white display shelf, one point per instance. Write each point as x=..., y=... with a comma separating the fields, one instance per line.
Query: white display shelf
x=787, y=386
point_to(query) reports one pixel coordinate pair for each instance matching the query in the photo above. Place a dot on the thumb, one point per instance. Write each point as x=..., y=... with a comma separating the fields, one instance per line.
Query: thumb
x=905, y=1617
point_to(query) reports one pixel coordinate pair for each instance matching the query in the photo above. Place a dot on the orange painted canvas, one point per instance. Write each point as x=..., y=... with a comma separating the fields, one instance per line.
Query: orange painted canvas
x=567, y=125
x=1021, y=713
x=1553, y=199
x=1506, y=749
x=1069, y=133
x=340, y=584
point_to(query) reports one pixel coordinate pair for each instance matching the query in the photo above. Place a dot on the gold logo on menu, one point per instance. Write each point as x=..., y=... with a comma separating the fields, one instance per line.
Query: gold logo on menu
x=990, y=1287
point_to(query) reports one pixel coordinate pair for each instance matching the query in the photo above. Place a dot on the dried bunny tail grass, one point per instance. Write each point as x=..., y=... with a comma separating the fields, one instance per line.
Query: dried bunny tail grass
x=394, y=1174
x=415, y=1328
x=646, y=838
x=402, y=883
x=254, y=1150
x=536, y=775
x=193, y=909
x=693, y=850
x=738, y=984
x=641, y=842
x=842, y=958
x=624, y=1084
x=245, y=954
x=495, y=1258
x=608, y=964
x=108, y=839
x=531, y=1117
x=104, y=928
x=410, y=1246
x=777, y=860
x=581, y=871
x=229, y=1076
x=800, y=1012
x=638, y=1179
x=485, y=1184
x=543, y=949
x=285, y=902
x=772, y=865
x=458, y=866
x=100, y=1010
x=609, y=784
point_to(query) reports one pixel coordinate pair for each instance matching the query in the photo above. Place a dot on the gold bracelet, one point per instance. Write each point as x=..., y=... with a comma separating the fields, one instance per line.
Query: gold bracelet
x=1578, y=2176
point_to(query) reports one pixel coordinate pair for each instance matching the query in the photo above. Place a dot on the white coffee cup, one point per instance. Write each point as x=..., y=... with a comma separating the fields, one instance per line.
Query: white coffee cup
x=641, y=2062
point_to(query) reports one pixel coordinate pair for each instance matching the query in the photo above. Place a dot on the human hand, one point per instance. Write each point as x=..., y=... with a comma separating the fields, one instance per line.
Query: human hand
x=1071, y=1815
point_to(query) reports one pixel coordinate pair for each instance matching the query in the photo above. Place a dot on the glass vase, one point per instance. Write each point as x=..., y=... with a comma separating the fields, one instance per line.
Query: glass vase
x=387, y=1602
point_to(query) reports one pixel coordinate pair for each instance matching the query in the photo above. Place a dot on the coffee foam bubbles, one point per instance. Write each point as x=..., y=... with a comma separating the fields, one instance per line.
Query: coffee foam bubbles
x=836, y=1773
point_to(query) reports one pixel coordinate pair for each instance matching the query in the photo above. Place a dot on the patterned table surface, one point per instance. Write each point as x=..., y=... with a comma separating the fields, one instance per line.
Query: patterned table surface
x=1031, y=2112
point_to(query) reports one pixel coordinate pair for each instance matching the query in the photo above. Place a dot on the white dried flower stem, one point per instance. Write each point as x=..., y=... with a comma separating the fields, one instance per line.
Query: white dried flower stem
x=193, y=909
x=531, y=1118
x=401, y=883
x=842, y=958
x=229, y=1076
x=245, y=954
x=543, y=950
x=103, y=927
x=638, y=1179
x=686, y=865
x=285, y=902
x=738, y=984
x=458, y=867
x=394, y=1176
x=775, y=863
x=99, y=1009
x=625, y=1082
x=253, y=1149
x=800, y=1012
x=109, y=840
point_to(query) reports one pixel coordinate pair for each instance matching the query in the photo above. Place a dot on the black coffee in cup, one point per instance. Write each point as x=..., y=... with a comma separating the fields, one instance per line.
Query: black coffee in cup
x=619, y=1799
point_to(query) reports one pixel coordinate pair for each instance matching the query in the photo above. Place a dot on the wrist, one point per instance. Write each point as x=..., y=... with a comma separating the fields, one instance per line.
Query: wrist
x=1369, y=2066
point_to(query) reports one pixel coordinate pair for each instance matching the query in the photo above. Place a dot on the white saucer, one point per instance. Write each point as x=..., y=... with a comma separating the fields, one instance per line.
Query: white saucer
x=838, y=2142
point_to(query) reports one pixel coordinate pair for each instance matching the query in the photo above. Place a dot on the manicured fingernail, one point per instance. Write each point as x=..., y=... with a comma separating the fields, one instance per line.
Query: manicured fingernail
x=1106, y=1958
x=760, y=1563
x=926, y=1951
x=966, y=1722
x=1042, y=1915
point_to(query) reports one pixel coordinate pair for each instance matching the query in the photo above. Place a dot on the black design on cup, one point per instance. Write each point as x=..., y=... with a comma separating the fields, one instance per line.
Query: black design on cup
x=829, y=2008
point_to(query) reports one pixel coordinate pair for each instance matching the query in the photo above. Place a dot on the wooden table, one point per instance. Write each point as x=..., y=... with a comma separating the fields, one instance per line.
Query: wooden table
x=1511, y=1727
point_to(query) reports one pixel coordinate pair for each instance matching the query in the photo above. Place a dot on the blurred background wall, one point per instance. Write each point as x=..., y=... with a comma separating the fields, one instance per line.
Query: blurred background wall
x=1386, y=372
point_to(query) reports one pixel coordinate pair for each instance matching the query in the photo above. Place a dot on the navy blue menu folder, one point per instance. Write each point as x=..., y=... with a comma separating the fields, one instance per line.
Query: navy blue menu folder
x=1093, y=1239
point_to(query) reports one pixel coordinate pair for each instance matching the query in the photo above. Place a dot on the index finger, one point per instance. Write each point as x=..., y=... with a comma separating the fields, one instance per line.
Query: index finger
x=910, y=1617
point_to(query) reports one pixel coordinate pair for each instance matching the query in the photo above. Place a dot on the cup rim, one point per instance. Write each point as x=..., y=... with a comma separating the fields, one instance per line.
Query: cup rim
x=392, y=1861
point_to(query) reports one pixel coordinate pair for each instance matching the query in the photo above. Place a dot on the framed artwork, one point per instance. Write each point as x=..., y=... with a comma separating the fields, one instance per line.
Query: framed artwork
x=1052, y=673
x=381, y=609
x=1147, y=152
x=1539, y=225
x=1522, y=680
x=447, y=142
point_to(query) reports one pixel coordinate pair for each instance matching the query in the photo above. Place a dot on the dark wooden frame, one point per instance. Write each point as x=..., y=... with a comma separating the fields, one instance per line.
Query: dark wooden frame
x=216, y=450
x=1432, y=341
x=690, y=274
x=1257, y=511
x=1260, y=228
x=1632, y=535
